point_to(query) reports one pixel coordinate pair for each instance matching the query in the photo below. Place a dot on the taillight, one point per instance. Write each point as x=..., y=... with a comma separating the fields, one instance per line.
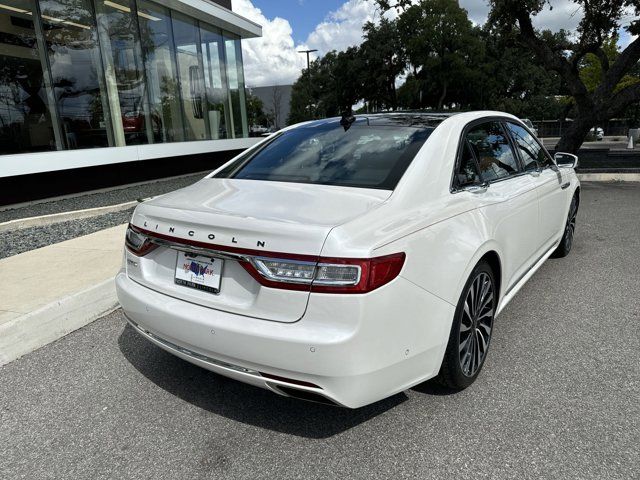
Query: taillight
x=285, y=270
x=373, y=273
x=137, y=242
x=328, y=275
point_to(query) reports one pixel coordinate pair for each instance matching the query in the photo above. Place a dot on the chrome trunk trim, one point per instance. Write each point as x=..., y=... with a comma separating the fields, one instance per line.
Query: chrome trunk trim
x=183, y=247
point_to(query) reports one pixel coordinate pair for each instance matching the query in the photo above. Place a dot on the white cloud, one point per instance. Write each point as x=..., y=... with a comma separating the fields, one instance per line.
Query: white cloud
x=477, y=10
x=343, y=27
x=564, y=14
x=273, y=58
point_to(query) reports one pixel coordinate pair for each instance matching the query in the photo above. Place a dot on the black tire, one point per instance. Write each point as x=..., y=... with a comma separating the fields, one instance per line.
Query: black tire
x=457, y=371
x=569, y=231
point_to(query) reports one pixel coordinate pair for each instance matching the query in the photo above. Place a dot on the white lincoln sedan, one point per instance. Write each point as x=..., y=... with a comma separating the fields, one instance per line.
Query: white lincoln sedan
x=345, y=260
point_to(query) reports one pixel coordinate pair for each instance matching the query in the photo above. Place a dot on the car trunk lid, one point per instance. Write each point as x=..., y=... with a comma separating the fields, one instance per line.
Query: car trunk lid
x=247, y=217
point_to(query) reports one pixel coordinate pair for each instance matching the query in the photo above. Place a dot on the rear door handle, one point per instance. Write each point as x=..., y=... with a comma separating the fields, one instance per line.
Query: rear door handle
x=565, y=185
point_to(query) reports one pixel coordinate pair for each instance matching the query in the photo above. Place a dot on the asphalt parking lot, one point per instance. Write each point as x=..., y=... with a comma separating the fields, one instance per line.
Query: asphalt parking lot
x=558, y=397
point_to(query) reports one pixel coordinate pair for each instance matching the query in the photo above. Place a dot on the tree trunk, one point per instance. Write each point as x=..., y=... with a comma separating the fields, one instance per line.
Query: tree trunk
x=599, y=106
x=394, y=96
x=573, y=136
x=442, y=96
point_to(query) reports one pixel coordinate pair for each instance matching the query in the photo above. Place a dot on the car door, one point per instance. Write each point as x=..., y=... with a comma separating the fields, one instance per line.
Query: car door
x=547, y=177
x=505, y=195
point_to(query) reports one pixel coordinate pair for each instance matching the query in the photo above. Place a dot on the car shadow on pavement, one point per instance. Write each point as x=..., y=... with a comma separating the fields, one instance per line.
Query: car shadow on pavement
x=241, y=402
x=433, y=387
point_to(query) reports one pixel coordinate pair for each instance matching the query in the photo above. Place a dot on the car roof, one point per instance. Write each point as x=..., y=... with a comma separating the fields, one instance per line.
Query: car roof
x=408, y=119
x=412, y=118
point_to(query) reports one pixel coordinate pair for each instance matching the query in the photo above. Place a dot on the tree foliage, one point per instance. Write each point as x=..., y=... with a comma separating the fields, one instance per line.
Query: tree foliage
x=441, y=46
x=383, y=59
x=567, y=54
x=449, y=63
x=325, y=88
x=255, y=111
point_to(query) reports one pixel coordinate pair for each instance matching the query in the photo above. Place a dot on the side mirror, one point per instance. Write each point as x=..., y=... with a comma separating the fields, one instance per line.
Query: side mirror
x=566, y=160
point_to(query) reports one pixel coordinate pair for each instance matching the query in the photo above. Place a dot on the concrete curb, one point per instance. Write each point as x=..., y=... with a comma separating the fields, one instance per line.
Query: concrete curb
x=20, y=223
x=609, y=177
x=33, y=330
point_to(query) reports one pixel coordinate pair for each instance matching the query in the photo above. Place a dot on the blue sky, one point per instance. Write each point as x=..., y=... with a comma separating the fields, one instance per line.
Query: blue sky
x=303, y=15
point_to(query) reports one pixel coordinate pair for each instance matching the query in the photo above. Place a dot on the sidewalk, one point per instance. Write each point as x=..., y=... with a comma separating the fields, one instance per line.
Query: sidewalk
x=49, y=292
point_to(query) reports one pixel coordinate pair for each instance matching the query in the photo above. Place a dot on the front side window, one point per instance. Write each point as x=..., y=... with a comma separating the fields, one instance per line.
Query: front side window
x=368, y=156
x=493, y=151
x=532, y=153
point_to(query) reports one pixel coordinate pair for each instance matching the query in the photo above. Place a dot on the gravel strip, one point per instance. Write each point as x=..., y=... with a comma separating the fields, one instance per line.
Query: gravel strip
x=101, y=199
x=13, y=243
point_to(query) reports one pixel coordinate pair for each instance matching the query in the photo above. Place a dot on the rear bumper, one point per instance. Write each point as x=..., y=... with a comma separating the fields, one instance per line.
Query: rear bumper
x=356, y=349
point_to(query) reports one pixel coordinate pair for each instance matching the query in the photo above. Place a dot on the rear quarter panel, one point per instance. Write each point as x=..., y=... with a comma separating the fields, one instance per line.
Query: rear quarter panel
x=441, y=257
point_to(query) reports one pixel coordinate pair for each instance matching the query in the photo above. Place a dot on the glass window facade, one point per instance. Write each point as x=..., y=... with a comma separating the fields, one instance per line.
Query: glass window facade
x=26, y=123
x=95, y=73
x=215, y=83
x=162, y=84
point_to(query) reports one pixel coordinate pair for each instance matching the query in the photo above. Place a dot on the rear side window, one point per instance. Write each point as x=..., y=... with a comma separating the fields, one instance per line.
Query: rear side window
x=467, y=173
x=368, y=156
x=532, y=153
x=493, y=151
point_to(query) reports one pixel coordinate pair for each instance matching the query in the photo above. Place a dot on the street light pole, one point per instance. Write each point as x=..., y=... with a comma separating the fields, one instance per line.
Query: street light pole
x=308, y=52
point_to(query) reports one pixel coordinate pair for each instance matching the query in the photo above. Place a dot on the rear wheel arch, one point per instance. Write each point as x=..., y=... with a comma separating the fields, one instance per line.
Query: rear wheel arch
x=493, y=259
x=490, y=252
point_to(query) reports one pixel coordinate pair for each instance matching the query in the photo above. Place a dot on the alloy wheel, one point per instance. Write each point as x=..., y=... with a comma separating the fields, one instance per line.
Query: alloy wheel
x=476, y=324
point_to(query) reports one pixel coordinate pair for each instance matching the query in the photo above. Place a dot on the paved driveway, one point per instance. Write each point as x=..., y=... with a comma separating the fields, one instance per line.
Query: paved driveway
x=559, y=396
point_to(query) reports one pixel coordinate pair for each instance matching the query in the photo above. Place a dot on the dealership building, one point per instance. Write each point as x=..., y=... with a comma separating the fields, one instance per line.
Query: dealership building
x=94, y=92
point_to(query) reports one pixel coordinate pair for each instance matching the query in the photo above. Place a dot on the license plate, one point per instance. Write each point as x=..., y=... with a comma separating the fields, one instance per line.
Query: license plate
x=199, y=272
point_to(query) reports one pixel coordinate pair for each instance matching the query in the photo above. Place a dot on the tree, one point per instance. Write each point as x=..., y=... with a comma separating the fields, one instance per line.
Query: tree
x=382, y=61
x=603, y=96
x=441, y=45
x=306, y=92
x=330, y=86
x=512, y=80
x=276, y=106
x=255, y=110
x=348, y=77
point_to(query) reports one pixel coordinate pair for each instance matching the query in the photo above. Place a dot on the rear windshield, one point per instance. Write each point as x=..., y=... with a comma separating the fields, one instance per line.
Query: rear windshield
x=367, y=156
